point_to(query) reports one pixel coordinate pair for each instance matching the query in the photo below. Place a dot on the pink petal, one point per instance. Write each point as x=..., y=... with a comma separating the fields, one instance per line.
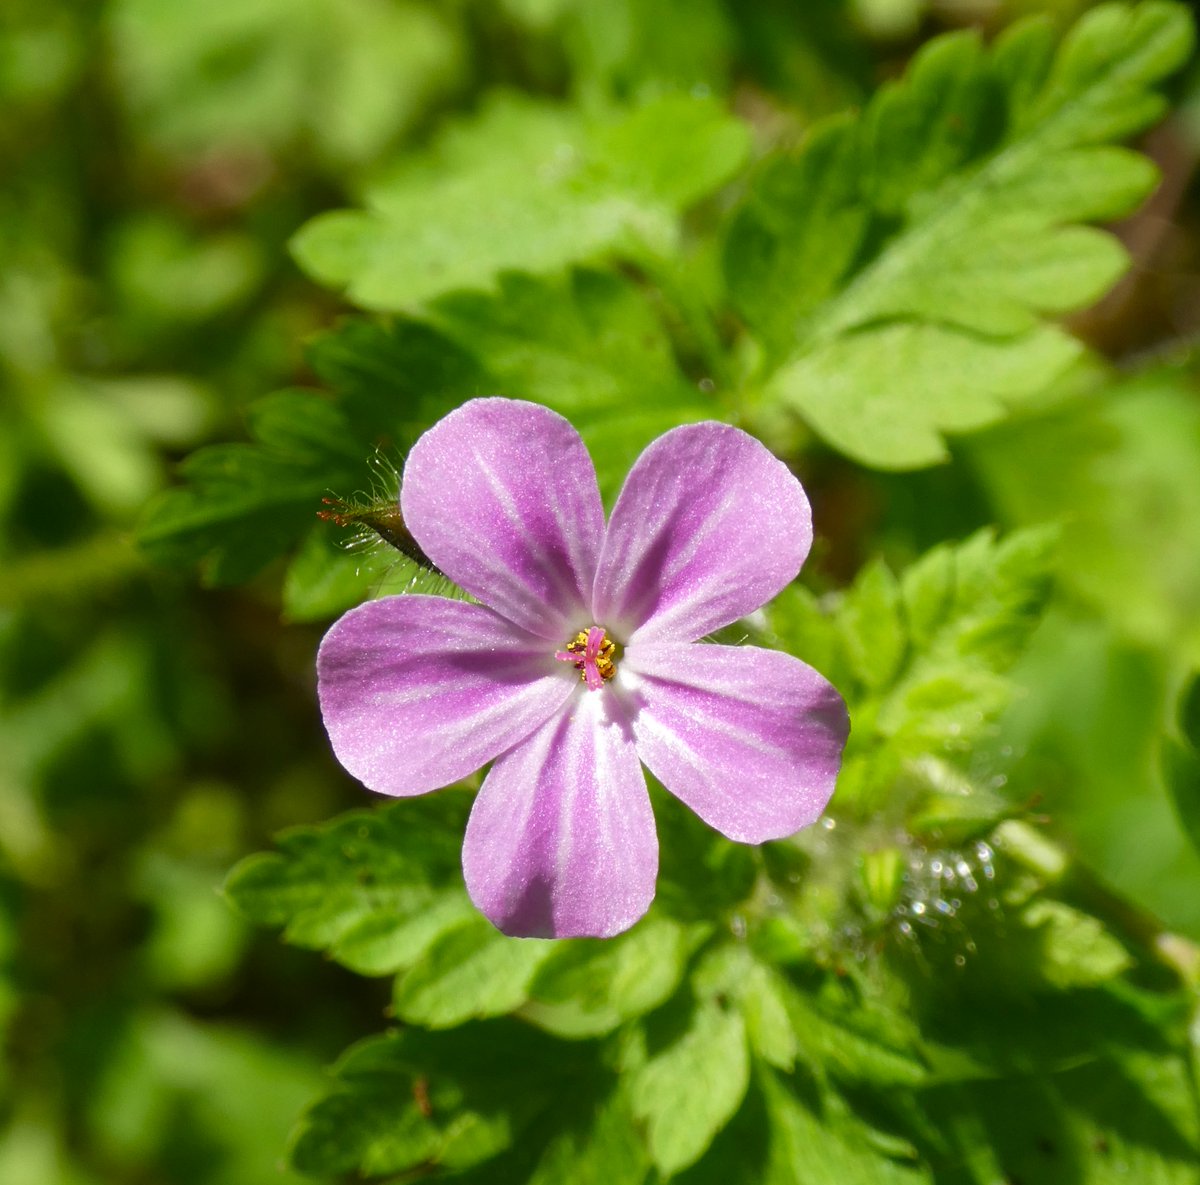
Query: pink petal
x=417, y=692
x=750, y=739
x=708, y=527
x=502, y=496
x=561, y=840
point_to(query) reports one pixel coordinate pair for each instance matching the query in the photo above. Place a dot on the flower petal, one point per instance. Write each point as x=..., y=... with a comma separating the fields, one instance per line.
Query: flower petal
x=708, y=527
x=502, y=496
x=417, y=692
x=561, y=840
x=750, y=739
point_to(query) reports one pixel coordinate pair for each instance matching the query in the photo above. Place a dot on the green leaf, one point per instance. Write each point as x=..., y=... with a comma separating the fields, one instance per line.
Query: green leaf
x=245, y=503
x=769, y=1027
x=341, y=76
x=853, y=1040
x=1126, y=1117
x=469, y=972
x=576, y=342
x=688, y=1090
x=454, y=1099
x=242, y=505
x=559, y=189
x=923, y=660
x=571, y=341
x=1075, y=948
x=375, y=889
x=872, y=631
x=1122, y=472
x=923, y=663
x=605, y=1149
x=953, y=201
x=810, y=1149
x=1181, y=762
x=992, y=595
x=885, y=395
x=590, y=986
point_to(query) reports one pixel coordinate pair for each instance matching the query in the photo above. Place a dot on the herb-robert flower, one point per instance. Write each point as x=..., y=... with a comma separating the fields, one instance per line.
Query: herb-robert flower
x=583, y=660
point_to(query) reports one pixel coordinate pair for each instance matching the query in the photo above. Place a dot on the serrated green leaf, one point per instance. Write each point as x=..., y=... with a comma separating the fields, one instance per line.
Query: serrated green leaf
x=872, y=631
x=578, y=343
x=776, y=270
x=559, y=189
x=605, y=1150
x=374, y=889
x=967, y=178
x=686, y=1092
x=244, y=503
x=885, y=395
x=808, y=1149
x=570, y=341
x=588, y=987
x=469, y=972
x=394, y=379
x=987, y=600
x=768, y=1024
x=924, y=668
x=924, y=659
x=853, y=1041
x=455, y=1100
x=1126, y=1117
x=1076, y=950
x=730, y=973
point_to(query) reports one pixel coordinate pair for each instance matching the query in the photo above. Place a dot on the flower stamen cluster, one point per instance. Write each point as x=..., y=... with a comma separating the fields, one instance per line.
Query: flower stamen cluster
x=591, y=652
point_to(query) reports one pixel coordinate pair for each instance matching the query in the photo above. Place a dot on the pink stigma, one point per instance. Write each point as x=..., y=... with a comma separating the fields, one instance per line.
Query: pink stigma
x=591, y=653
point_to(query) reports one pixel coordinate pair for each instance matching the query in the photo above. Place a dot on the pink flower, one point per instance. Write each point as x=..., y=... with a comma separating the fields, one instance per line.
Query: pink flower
x=583, y=660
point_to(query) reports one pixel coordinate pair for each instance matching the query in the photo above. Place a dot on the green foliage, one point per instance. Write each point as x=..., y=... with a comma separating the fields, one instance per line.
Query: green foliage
x=569, y=341
x=525, y=185
x=981, y=965
x=346, y=77
x=923, y=661
x=809, y=1024
x=590, y=987
x=1120, y=474
x=950, y=203
x=456, y=1100
x=374, y=889
x=248, y=503
x=688, y=1089
x=1181, y=761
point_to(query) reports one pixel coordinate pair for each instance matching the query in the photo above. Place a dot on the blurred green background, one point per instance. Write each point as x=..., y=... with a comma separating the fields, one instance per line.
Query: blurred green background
x=156, y=158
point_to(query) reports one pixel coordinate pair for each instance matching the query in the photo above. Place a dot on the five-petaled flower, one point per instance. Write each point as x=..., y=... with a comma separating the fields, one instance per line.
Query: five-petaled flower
x=583, y=660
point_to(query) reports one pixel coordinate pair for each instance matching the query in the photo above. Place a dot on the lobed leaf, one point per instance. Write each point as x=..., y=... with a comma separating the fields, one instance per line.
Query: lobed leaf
x=808, y=1148
x=570, y=341
x=897, y=266
x=469, y=972
x=243, y=504
x=559, y=189
x=688, y=1090
x=375, y=889
x=416, y=1100
x=591, y=986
